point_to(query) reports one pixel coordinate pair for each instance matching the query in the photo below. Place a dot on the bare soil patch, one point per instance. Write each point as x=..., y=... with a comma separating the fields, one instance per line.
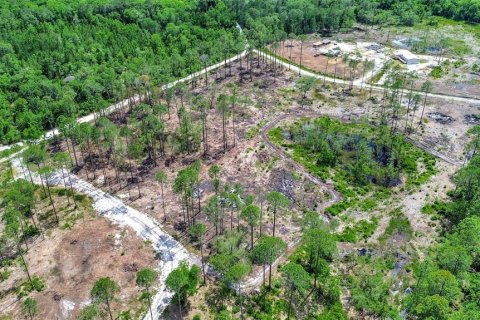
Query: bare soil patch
x=258, y=170
x=70, y=261
x=313, y=60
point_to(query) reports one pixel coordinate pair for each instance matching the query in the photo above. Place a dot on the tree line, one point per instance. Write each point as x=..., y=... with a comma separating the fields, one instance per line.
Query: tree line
x=65, y=58
x=327, y=16
x=447, y=281
x=136, y=139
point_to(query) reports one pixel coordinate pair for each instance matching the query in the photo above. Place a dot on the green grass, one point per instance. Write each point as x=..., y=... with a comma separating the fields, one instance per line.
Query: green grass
x=26, y=287
x=276, y=135
x=9, y=152
x=450, y=32
x=252, y=132
x=356, y=195
x=428, y=209
x=415, y=178
x=363, y=229
x=380, y=73
x=368, y=204
x=472, y=28
x=398, y=224
x=438, y=207
x=457, y=46
x=444, y=26
x=308, y=160
x=437, y=72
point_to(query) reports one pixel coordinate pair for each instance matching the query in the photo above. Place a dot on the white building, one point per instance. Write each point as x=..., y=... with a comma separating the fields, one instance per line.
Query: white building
x=324, y=42
x=407, y=57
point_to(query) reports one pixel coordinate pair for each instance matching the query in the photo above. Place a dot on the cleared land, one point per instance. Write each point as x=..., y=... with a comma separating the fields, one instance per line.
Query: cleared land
x=68, y=259
x=259, y=168
x=448, y=55
x=268, y=99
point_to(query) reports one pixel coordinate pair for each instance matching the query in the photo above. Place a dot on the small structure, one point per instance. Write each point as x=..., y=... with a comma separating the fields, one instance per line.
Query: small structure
x=68, y=79
x=375, y=47
x=407, y=57
x=324, y=42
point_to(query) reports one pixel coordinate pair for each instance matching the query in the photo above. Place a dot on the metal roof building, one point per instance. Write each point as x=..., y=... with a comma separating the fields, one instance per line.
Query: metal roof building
x=407, y=57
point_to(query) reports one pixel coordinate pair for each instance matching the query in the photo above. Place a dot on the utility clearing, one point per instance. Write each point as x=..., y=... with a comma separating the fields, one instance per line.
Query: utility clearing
x=252, y=143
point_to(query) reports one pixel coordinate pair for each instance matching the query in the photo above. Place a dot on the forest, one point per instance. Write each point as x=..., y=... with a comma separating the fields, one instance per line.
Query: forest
x=326, y=16
x=73, y=57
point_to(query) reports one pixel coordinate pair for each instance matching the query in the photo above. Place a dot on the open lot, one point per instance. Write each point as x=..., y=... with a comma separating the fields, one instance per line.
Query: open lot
x=249, y=163
x=259, y=169
x=448, y=55
x=68, y=259
x=336, y=63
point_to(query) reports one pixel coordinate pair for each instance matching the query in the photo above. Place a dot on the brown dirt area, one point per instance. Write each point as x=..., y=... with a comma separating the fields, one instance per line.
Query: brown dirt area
x=456, y=80
x=337, y=67
x=448, y=139
x=251, y=164
x=70, y=261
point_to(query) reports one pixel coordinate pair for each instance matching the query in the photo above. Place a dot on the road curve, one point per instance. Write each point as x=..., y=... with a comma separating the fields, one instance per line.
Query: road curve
x=170, y=251
x=256, y=280
x=335, y=196
x=356, y=84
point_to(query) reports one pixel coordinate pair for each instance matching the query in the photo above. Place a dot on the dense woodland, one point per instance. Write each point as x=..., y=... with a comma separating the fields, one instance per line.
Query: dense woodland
x=326, y=16
x=74, y=57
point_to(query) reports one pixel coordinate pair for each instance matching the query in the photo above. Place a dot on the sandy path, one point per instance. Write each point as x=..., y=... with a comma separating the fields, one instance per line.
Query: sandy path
x=136, y=98
x=357, y=83
x=257, y=280
x=335, y=196
x=414, y=212
x=171, y=252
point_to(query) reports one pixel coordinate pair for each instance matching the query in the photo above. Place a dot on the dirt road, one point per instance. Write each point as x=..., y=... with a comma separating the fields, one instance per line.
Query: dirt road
x=357, y=83
x=170, y=251
x=256, y=280
x=334, y=195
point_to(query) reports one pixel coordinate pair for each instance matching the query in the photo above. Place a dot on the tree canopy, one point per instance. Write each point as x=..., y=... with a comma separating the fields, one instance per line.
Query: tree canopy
x=64, y=58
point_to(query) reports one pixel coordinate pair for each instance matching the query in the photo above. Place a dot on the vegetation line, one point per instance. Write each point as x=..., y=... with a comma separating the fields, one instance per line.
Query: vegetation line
x=318, y=75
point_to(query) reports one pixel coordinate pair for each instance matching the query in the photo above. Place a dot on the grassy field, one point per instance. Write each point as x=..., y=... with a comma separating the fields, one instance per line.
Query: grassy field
x=418, y=167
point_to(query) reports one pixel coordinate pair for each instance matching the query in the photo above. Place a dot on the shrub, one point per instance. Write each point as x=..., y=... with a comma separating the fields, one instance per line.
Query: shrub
x=437, y=72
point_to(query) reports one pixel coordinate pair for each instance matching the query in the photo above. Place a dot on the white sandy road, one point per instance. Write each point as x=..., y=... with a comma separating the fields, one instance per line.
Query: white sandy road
x=357, y=83
x=136, y=98
x=122, y=104
x=171, y=252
